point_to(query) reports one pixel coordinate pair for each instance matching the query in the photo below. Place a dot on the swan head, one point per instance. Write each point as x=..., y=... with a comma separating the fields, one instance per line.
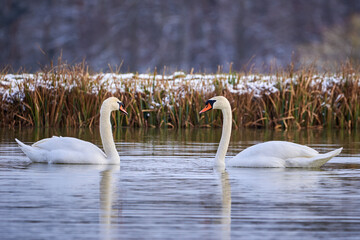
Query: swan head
x=114, y=104
x=218, y=102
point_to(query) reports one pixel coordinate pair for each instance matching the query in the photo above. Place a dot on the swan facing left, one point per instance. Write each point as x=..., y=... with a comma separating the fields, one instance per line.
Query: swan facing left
x=274, y=154
x=68, y=150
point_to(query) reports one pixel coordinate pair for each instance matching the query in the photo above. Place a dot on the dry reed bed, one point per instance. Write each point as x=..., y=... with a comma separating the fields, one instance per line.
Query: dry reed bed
x=71, y=96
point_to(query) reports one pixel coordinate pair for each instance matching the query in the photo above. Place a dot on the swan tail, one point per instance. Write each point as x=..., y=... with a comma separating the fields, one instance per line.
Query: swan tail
x=28, y=150
x=22, y=145
x=314, y=162
x=324, y=158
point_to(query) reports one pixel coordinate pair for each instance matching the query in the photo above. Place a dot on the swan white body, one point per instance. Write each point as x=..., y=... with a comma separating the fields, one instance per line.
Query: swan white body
x=276, y=154
x=68, y=150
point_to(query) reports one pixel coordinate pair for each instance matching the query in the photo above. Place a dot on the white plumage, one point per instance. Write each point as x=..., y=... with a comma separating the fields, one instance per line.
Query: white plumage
x=68, y=150
x=281, y=154
x=268, y=154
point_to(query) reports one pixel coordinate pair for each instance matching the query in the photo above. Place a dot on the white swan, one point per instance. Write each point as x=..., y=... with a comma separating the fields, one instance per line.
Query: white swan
x=268, y=154
x=68, y=150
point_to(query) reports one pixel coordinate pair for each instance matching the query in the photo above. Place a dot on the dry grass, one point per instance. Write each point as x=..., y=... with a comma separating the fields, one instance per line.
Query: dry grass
x=296, y=104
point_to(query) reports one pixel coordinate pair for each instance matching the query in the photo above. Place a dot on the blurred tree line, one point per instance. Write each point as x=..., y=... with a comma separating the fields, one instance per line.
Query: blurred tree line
x=182, y=34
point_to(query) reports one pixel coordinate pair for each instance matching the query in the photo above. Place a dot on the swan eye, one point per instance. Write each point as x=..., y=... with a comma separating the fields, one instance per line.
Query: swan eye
x=121, y=108
x=211, y=102
x=121, y=104
x=208, y=106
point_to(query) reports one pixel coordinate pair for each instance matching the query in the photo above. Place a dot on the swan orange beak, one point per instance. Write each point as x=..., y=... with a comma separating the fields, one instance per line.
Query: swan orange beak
x=205, y=109
x=122, y=109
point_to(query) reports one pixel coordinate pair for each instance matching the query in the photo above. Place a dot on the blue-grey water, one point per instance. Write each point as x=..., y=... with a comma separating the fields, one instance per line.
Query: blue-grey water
x=166, y=188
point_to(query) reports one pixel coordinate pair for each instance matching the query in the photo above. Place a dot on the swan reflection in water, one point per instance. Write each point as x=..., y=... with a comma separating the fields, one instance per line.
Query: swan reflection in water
x=108, y=215
x=275, y=185
x=225, y=220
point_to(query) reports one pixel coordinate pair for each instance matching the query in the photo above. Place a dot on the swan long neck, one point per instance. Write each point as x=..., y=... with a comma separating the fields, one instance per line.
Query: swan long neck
x=106, y=134
x=225, y=137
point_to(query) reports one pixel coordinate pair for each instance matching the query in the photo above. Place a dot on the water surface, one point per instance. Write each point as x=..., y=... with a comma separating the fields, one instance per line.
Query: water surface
x=166, y=188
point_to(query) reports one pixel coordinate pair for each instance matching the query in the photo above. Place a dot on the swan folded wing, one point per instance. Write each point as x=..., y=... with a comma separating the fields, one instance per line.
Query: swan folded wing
x=273, y=154
x=279, y=149
x=68, y=144
x=281, y=154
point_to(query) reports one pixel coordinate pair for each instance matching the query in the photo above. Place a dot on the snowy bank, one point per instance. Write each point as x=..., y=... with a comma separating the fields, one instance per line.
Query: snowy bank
x=12, y=86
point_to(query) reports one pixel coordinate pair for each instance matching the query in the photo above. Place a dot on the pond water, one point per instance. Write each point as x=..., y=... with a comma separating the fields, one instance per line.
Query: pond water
x=166, y=188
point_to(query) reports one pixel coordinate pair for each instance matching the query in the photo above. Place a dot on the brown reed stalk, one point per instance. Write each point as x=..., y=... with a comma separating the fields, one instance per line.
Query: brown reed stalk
x=69, y=96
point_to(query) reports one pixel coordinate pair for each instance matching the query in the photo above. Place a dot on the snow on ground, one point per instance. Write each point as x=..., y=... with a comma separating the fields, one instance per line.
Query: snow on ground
x=11, y=86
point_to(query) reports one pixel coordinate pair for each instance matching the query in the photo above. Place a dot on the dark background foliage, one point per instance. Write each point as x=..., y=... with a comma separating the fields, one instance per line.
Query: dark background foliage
x=181, y=34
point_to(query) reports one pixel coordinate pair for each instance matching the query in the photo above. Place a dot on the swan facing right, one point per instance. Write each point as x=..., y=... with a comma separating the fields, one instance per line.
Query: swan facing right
x=275, y=154
x=69, y=150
